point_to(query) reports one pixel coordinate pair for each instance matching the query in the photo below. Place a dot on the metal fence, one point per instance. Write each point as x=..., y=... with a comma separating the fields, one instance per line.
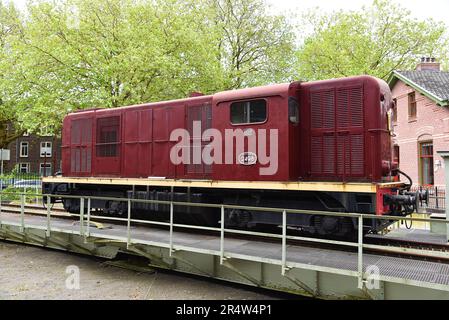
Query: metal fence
x=20, y=179
x=437, y=198
x=14, y=184
x=86, y=214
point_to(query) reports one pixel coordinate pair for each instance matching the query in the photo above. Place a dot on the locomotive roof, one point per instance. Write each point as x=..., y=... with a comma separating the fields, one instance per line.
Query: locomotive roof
x=249, y=93
x=246, y=93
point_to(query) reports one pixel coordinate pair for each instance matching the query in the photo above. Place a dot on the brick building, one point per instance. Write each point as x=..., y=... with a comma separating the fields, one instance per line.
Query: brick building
x=421, y=121
x=35, y=154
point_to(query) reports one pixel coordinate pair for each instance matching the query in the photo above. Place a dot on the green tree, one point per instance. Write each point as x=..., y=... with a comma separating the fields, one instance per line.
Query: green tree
x=81, y=54
x=9, y=26
x=255, y=47
x=374, y=41
x=75, y=54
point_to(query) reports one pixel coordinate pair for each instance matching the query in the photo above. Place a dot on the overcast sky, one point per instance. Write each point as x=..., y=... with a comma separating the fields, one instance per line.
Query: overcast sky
x=437, y=9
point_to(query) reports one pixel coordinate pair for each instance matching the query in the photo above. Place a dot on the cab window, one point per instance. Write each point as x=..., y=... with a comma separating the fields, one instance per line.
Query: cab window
x=293, y=110
x=254, y=111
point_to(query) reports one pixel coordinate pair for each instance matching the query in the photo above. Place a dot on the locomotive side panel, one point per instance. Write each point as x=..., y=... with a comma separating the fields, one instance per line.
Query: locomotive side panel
x=65, y=147
x=137, y=142
x=164, y=119
x=341, y=130
x=197, y=121
x=378, y=104
x=107, y=142
x=77, y=145
x=129, y=142
x=147, y=144
x=131, y=121
x=268, y=133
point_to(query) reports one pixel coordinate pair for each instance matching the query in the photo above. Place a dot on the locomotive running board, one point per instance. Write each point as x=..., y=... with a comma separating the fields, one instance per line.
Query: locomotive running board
x=265, y=185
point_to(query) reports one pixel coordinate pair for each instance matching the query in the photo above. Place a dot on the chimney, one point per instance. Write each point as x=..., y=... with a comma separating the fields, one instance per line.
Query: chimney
x=428, y=63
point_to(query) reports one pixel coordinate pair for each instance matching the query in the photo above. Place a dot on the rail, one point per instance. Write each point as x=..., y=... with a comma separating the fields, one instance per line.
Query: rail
x=85, y=228
x=437, y=197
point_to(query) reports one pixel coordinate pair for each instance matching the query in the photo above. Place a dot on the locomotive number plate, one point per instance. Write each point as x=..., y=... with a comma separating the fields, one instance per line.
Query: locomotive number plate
x=247, y=158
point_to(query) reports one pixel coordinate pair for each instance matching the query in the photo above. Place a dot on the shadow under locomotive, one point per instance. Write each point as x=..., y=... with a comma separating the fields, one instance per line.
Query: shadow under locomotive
x=244, y=216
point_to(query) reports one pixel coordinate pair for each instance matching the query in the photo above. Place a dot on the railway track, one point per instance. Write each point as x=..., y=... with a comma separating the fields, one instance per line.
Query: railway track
x=35, y=210
x=428, y=251
x=410, y=249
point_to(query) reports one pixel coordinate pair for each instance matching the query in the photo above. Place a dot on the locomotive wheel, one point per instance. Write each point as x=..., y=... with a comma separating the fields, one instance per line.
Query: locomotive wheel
x=331, y=226
x=238, y=218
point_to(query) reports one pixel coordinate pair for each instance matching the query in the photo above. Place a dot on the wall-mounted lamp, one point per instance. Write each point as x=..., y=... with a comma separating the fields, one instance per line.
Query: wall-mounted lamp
x=438, y=165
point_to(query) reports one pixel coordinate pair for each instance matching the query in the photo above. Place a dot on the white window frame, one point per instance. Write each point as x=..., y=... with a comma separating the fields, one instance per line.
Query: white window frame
x=27, y=167
x=22, y=154
x=45, y=146
x=26, y=134
x=41, y=168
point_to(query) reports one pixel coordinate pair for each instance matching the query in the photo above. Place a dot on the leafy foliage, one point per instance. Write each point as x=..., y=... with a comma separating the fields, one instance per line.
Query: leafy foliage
x=110, y=53
x=9, y=26
x=374, y=41
x=70, y=55
x=11, y=194
x=254, y=47
x=81, y=54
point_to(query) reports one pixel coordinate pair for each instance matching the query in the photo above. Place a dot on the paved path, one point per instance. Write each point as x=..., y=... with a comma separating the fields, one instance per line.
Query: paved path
x=28, y=272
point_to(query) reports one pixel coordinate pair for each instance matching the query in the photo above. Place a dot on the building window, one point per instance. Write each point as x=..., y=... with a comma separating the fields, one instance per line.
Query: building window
x=412, y=106
x=24, y=148
x=46, y=149
x=396, y=155
x=426, y=163
x=24, y=167
x=26, y=134
x=248, y=112
x=108, y=137
x=45, y=169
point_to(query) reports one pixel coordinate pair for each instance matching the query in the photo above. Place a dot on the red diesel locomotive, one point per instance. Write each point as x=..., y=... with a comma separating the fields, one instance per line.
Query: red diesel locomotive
x=322, y=146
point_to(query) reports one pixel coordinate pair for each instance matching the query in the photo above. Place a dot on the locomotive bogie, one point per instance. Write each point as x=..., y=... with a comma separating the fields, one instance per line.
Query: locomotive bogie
x=241, y=218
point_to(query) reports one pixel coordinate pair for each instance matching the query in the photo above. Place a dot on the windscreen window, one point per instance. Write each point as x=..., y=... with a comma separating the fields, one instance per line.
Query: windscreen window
x=254, y=111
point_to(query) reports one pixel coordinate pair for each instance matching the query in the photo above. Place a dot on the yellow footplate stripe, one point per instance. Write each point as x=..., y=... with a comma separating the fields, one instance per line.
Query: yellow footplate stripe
x=260, y=185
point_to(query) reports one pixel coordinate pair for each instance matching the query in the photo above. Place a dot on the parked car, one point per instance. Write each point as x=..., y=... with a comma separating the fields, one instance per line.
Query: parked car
x=27, y=184
x=5, y=183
